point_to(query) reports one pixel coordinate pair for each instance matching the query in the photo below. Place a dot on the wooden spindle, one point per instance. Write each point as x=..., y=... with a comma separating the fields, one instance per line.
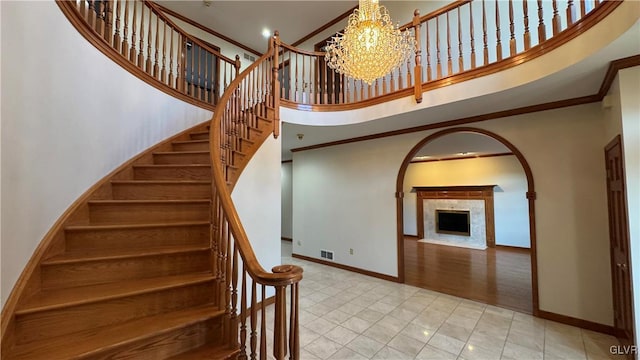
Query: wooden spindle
x=460, y=58
x=117, y=41
x=527, y=35
x=180, y=68
x=361, y=90
x=141, y=46
x=438, y=64
x=571, y=13
x=429, y=77
x=253, y=336
x=91, y=18
x=276, y=85
x=294, y=331
x=99, y=8
x=512, y=29
x=583, y=8
x=542, y=33
x=198, y=75
x=556, y=18
x=156, y=65
x=83, y=9
x=449, y=61
x=472, y=39
x=243, y=315
x=484, y=33
x=234, y=298
x=263, y=326
x=170, y=80
x=148, y=64
x=132, y=50
x=125, y=30
x=498, y=37
x=191, y=80
x=108, y=19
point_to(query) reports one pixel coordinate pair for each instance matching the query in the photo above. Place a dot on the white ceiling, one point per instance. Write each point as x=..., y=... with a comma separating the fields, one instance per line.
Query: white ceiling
x=244, y=21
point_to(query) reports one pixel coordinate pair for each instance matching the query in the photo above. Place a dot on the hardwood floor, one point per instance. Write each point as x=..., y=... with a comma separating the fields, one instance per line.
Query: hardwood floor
x=498, y=276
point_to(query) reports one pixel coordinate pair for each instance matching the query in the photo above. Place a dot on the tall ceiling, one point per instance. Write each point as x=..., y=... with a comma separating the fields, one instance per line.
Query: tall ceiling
x=244, y=22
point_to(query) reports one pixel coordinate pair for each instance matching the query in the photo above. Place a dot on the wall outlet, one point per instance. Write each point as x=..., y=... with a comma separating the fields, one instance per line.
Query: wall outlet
x=350, y=251
x=299, y=243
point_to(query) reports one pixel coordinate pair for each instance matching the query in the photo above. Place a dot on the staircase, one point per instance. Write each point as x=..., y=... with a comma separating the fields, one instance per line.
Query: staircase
x=131, y=272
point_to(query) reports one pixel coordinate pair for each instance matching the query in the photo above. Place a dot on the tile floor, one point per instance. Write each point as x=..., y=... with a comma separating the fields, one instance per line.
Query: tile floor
x=345, y=315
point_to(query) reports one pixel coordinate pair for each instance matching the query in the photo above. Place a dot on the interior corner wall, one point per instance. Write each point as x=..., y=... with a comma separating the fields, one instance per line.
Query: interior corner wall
x=511, y=207
x=69, y=116
x=629, y=80
x=344, y=197
x=287, y=199
x=257, y=199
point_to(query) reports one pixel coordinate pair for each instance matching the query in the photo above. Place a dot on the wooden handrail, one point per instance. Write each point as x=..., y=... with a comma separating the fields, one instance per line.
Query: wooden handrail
x=445, y=51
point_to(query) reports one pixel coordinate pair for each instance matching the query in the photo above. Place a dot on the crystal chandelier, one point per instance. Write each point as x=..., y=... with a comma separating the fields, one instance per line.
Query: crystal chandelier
x=370, y=46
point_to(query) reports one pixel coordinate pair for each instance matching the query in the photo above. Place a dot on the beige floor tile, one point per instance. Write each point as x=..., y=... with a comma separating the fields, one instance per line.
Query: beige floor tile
x=365, y=346
x=322, y=347
x=406, y=344
x=431, y=353
x=454, y=331
x=418, y=332
x=517, y=352
x=380, y=333
x=446, y=343
x=389, y=353
x=341, y=335
x=346, y=354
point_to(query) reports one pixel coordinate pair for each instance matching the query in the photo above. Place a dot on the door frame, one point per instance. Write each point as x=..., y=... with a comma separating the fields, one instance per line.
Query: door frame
x=531, y=197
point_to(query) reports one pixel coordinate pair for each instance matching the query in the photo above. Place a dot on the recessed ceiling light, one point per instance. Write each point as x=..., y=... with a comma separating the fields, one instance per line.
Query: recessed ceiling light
x=266, y=32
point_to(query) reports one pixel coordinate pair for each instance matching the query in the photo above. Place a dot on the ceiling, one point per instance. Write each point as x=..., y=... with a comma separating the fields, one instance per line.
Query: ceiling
x=244, y=21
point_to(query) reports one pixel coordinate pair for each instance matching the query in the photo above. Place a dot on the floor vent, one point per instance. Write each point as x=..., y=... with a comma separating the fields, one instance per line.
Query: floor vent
x=326, y=254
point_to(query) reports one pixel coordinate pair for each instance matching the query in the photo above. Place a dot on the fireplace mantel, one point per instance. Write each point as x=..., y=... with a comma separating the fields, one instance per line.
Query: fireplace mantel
x=467, y=192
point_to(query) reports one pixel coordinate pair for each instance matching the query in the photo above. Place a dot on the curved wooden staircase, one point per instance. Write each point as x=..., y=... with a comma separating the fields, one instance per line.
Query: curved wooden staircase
x=130, y=274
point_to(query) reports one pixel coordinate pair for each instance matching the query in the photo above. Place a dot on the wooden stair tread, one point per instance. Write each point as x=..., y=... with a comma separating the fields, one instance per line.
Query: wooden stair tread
x=85, y=256
x=208, y=352
x=191, y=141
x=195, y=152
x=66, y=297
x=93, y=342
x=142, y=182
x=199, y=132
x=115, y=202
x=171, y=165
x=132, y=226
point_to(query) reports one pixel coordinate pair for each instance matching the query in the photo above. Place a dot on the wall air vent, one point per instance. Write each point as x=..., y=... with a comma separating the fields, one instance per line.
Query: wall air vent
x=249, y=57
x=326, y=254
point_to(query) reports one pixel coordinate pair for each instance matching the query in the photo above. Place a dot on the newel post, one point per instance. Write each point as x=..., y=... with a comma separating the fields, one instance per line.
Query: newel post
x=237, y=65
x=417, y=72
x=275, y=85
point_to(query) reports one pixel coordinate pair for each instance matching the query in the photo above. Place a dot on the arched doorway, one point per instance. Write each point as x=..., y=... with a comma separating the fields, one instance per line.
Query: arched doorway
x=530, y=196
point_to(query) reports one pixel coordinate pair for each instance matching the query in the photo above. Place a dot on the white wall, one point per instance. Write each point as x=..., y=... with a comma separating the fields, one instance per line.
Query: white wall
x=287, y=199
x=344, y=198
x=630, y=110
x=258, y=203
x=67, y=122
x=511, y=208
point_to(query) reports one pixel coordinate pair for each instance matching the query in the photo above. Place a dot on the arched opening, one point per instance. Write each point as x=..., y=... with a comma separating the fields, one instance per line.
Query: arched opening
x=530, y=198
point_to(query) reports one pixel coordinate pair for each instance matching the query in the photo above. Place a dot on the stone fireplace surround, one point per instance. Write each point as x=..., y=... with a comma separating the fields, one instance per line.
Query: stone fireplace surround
x=476, y=199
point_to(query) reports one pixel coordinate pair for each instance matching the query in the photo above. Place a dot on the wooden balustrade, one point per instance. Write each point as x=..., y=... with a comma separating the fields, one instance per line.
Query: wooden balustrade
x=446, y=46
x=248, y=105
x=139, y=32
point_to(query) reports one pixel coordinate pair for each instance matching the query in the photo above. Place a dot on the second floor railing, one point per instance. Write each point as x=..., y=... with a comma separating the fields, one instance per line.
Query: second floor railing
x=139, y=36
x=474, y=37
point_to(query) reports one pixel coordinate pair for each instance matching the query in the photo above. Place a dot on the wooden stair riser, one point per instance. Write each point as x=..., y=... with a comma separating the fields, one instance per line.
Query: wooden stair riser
x=64, y=321
x=199, y=135
x=172, y=173
x=147, y=213
x=160, y=191
x=83, y=273
x=200, y=145
x=169, y=344
x=136, y=238
x=182, y=158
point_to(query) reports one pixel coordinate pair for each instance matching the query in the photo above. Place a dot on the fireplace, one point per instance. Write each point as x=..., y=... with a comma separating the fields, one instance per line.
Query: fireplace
x=453, y=222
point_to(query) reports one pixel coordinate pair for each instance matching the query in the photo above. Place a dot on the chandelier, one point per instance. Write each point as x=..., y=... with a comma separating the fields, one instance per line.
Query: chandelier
x=370, y=46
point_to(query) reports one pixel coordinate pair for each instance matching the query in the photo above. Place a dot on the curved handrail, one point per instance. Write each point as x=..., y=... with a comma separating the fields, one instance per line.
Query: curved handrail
x=138, y=36
x=248, y=100
x=458, y=42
